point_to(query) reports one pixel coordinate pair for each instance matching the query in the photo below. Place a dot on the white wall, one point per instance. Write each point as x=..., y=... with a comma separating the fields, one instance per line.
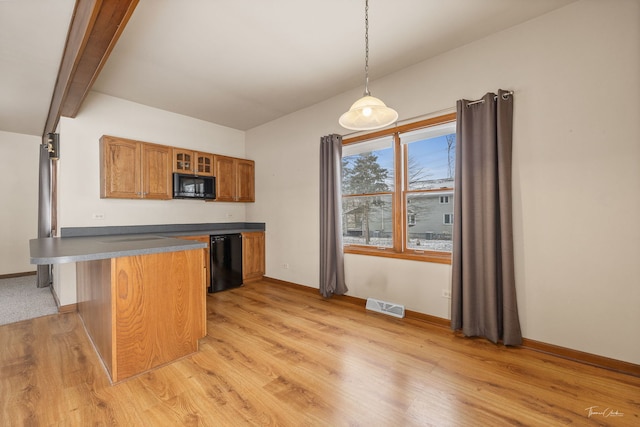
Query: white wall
x=19, y=159
x=79, y=172
x=576, y=77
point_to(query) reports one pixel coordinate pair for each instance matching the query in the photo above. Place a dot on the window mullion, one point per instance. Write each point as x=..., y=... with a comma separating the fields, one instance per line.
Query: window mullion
x=405, y=187
x=398, y=205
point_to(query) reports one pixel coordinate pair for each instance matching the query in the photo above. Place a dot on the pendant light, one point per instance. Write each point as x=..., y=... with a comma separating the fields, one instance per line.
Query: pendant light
x=368, y=112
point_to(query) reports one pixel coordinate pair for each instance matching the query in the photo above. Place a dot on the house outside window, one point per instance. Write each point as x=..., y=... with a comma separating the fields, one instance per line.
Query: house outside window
x=397, y=186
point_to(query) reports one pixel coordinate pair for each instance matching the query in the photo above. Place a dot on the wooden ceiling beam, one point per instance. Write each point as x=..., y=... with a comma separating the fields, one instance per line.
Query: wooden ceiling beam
x=95, y=28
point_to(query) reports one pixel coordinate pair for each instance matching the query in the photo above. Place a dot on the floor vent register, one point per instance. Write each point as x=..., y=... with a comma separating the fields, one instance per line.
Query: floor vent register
x=384, y=307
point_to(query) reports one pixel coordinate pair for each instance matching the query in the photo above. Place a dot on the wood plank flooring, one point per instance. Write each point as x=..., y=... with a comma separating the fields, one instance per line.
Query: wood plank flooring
x=279, y=356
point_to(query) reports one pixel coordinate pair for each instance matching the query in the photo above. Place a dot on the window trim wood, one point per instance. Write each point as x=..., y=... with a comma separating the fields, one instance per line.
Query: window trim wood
x=399, y=249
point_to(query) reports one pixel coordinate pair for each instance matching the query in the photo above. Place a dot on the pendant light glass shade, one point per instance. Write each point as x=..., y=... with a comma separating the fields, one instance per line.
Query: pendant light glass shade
x=368, y=113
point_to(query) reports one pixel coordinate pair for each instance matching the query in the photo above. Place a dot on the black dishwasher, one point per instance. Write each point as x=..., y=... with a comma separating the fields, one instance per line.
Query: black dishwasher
x=226, y=262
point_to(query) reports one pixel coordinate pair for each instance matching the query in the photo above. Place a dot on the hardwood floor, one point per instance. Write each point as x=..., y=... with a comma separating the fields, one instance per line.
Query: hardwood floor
x=275, y=355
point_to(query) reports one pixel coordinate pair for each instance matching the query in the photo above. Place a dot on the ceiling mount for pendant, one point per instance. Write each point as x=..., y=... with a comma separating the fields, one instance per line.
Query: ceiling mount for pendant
x=368, y=112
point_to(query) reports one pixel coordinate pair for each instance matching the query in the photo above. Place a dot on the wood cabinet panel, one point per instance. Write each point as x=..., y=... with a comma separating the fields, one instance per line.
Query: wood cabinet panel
x=245, y=181
x=253, y=256
x=120, y=172
x=192, y=162
x=156, y=163
x=235, y=179
x=183, y=160
x=94, y=305
x=133, y=169
x=143, y=311
x=224, y=170
x=204, y=164
x=207, y=275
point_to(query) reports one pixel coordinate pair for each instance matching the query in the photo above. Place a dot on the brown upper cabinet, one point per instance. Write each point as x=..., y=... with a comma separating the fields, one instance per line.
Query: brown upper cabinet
x=235, y=179
x=134, y=170
x=192, y=162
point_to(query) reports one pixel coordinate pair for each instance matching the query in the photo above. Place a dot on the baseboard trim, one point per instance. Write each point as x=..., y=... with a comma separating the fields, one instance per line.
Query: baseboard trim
x=14, y=275
x=69, y=308
x=55, y=297
x=345, y=298
x=533, y=345
x=582, y=357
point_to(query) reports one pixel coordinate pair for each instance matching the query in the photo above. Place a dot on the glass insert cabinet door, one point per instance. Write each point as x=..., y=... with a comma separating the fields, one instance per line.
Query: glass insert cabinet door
x=182, y=161
x=204, y=165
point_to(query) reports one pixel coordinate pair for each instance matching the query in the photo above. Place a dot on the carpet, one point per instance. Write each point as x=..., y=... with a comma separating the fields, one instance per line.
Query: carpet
x=21, y=299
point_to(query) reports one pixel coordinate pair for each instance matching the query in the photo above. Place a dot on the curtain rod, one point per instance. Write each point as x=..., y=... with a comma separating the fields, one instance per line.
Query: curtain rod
x=480, y=101
x=432, y=114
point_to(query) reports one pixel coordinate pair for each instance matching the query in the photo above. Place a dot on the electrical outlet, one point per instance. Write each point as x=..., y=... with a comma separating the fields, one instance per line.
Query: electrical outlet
x=446, y=293
x=98, y=216
x=285, y=266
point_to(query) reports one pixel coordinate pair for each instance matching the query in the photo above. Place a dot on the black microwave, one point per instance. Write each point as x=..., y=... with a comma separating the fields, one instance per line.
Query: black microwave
x=194, y=187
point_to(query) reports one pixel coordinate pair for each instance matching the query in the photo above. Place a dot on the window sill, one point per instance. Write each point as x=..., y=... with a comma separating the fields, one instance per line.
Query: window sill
x=427, y=256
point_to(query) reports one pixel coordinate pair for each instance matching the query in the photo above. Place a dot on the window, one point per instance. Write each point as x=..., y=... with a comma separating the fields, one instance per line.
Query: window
x=367, y=193
x=397, y=191
x=447, y=219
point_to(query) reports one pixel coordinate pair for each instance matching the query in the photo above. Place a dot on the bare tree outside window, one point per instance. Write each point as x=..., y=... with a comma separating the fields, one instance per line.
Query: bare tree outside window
x=427, y=198
x=451, y=155
x=363, y=176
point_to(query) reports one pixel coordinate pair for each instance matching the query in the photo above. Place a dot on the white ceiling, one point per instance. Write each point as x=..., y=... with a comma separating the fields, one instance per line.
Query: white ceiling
x=240, y=63
x=32, y=38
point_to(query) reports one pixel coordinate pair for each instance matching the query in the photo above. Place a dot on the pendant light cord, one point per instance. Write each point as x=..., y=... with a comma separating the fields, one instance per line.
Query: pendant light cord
x=366, y=48
x=368, y=112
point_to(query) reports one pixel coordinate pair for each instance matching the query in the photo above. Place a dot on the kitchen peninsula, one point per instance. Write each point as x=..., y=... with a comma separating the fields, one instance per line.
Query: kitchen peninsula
x=141, y=290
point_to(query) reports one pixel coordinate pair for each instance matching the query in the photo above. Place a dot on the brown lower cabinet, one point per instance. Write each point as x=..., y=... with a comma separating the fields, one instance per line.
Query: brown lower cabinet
x=207, y=273
x=253, y=256
x=143, y=311
x=207, y=240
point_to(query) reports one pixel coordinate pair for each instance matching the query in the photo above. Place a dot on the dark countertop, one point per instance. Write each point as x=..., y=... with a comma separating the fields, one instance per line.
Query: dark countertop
x=92, y=243
x=165, y=229
x=60, y=250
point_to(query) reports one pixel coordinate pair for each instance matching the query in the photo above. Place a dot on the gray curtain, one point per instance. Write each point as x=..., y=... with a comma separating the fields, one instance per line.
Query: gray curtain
x=331, y=255
x=483, y=294
x=43, y=277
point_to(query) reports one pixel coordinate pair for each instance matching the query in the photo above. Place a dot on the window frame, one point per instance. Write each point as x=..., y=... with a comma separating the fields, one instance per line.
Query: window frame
x=399, y=196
